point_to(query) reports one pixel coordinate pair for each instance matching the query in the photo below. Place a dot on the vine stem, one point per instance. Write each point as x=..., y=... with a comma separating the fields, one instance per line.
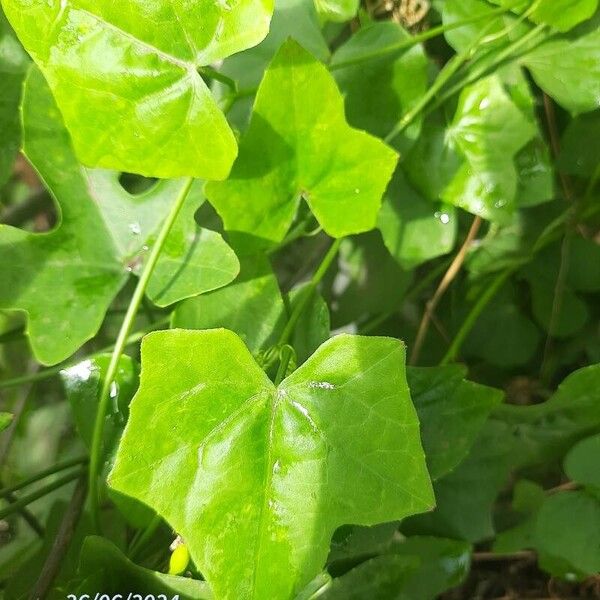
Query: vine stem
x=448, y=278
x=62, y=541
x=309, y=291
x=26, y=500
x=42, y=475
x=130, y=315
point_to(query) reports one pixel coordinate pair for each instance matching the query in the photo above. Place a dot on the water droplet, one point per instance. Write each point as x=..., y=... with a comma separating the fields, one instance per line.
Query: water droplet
x=443, y=217
x=135, y=228
x=357, y=191
x=114, y=389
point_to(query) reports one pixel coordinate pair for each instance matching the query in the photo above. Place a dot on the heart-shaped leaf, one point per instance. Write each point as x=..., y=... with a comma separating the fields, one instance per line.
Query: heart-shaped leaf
x=299, y=145
x=125, y=76
x=255, y=477
x=66, y=279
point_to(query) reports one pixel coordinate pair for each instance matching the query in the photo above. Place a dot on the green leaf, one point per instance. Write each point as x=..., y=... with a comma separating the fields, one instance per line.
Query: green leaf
x=297, y=19
x=502, y=336
x=379, y=92
x=569, y=70
x=564, y=14
x=567, y=529
x=256, y=478
x=337, y=10
x=580, y=155
x=106, y=570
x=452, y=412
x=251, y=306
x=66, y=279
x=417, y=568
x=126, y=77
x=5, y=420
x=528, y=498
x=298, y=146
x=581, y=463
x=489, y=130
x=367, y=281
x=254, y=308
x=414, y=229
x=13, y=65
x=193, y=260
x=545, y=432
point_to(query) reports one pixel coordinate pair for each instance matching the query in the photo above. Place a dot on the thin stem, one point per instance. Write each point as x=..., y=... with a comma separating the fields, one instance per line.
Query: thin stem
x=284, y=361
x=26, y=500
x=448, y=278
x=308, y=292
x=43, y=474
x=411, y=41
x=134, y=305
x=509, y=52
x=52, y=371
x=139, y=541
x=565, y=248
x=451, y=67
x=474, y=313
x=62, y=541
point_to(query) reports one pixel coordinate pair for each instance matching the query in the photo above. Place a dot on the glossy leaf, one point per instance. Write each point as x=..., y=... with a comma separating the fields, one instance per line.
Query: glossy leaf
x=106, y=570
x=66, y=279
x=452, y=412
x=82, y=385
x=139, y=103
x=256, y=477
x=308, y=153
x=489, y=130
x=13, y=65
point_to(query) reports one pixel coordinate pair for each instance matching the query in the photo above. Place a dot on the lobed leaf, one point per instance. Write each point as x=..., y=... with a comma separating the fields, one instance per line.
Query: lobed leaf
x=299, y=145
x=126, y=79
x=66, y=279
x=255, y=477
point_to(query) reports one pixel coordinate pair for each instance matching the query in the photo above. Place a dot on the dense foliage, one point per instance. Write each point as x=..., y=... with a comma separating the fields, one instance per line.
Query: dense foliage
x=300, y=298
